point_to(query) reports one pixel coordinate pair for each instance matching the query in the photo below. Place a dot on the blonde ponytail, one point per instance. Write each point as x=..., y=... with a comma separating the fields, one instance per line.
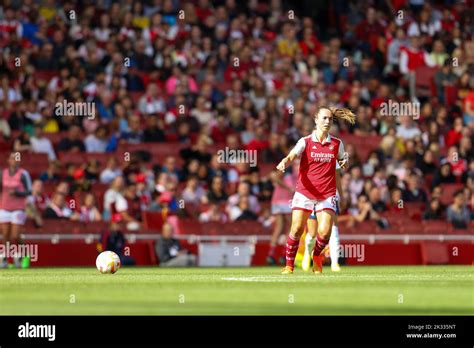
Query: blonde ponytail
x=340, y=113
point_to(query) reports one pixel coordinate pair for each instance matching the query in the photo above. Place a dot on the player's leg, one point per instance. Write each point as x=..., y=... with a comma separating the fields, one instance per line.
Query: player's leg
x=18, y=220
x=286, y=226
x=334, y=246
x=298, y=223
x=5, y=227
x=15, y=240
x=310, y=239
x=325, y=213
x=277, y=231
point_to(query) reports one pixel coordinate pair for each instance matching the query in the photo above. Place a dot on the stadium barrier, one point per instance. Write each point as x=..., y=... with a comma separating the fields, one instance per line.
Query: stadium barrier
x=80, y=250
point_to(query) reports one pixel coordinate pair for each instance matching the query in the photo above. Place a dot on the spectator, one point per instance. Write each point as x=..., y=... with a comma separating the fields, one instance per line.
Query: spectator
x=375, y=200
x=57, y=209
x=407, y=128
x=22, y=142
x=134, y=134
x=169, y=251
x=193, y=192
x=458, y=214
x=243, y=190
x=52, y=173
x=434, y=211
x=454, y=136
x=154, y=131
x=427, y=165
x=413, y=192
x=111, y=171
x=36, y=203
x=213, y=214
x=171, y=168
x=396, y=201
x=129, y=207
x=152, y=102
x=97, y=142
x=72, y=142
x=357, y=183
x=365, y=211
x=443, y=78
x=244, y=212
x=273, y=153
x=113, y=194
x=216, y=193
x=444, y=175
x=89, y=211
x=114, y=240
x=41, y=144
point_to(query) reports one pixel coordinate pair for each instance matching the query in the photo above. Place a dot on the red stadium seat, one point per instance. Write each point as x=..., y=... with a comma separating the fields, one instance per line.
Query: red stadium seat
x=159, y=151
x=60, y=226
x=393, y=218
x=45, y=75
x=424, y=81
x=411, y=227
x=436, y=227
x=55, y=137
x=240, y=228
x=191, y=226
x=34, y=163
x=366, y=227
x=450, y=95
x=152, y=220
x=363, y=145
x=83, y=157
x=448, y=191
x=392, y=229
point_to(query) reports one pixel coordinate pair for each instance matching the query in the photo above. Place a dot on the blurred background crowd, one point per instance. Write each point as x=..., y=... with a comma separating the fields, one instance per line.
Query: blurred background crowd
x=190, y=77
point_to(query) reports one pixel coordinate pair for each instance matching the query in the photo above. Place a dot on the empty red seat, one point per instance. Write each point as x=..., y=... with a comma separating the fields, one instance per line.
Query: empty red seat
x=152, y=220
x=238, y=228
x=192, y=226
x=436, y=227
x=411, y=227
x=424, y=81
x=392, y=229
x=366, y=227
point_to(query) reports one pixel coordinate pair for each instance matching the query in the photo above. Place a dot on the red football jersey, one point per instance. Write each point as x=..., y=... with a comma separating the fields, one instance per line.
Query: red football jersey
x=317, y=176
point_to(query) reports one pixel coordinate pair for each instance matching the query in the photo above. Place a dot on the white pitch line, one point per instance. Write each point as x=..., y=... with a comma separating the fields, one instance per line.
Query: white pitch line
x=310, y=277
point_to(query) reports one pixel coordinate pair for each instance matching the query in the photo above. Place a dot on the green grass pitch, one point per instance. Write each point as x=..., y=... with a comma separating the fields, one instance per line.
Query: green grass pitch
x=361, y=290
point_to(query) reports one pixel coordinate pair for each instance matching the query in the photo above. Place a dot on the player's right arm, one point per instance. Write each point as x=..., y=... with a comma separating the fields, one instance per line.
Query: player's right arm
x=294, y=153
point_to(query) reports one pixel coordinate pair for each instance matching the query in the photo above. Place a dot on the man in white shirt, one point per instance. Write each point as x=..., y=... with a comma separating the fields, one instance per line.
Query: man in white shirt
x=41, y=144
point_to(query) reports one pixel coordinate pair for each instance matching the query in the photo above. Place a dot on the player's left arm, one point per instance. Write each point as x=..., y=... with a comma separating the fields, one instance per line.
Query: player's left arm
x=26, y=182
x=342, y=158
x=338, y=180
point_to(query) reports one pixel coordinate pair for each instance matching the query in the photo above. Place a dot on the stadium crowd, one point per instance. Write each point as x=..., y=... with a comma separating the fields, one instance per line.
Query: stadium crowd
x=245, y=75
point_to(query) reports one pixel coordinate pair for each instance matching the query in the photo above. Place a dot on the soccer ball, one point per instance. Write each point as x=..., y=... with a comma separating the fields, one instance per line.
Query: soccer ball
x=107, y=262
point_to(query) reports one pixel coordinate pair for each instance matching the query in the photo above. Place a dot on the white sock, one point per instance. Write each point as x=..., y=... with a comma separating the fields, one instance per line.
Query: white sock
x=309, y=243
x=334, y=245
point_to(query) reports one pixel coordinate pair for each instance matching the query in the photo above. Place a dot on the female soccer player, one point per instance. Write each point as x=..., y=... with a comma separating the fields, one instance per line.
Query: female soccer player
x=15, y=186
x=316, y=186
x=312, y=230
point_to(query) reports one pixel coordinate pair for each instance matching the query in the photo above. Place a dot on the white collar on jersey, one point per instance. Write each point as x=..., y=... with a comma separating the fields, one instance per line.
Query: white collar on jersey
x=313, y=138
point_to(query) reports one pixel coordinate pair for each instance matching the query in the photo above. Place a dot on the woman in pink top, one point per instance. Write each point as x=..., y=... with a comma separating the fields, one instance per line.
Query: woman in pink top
x=15, y=187
x=284, y=189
